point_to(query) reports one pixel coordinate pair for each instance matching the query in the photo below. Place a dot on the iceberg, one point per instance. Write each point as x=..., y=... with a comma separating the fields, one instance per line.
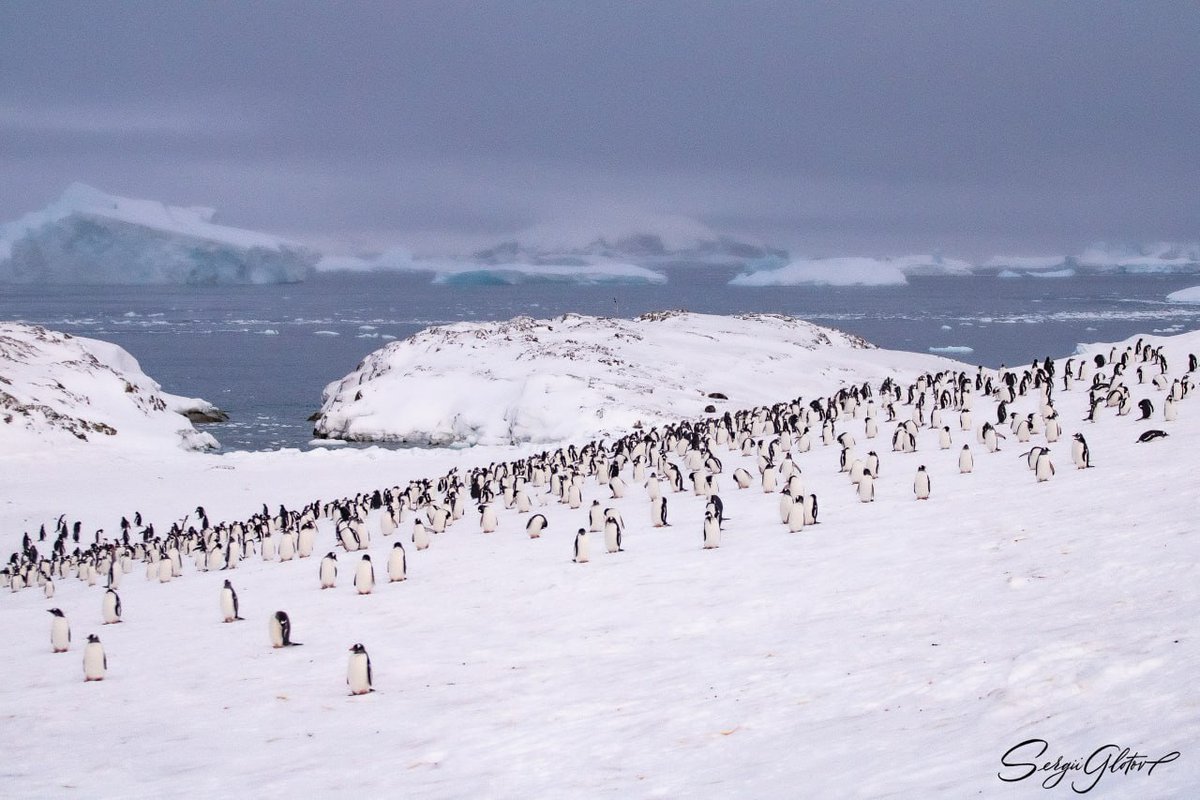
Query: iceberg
x=90, y=237
x=1188, y=295
x=852, y=271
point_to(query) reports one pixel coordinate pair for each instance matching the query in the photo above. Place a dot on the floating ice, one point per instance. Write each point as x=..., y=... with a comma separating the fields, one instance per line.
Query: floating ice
x=1188, y=295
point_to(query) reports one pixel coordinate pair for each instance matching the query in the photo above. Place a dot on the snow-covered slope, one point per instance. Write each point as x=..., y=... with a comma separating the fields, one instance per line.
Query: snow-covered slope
x=56, y=388
x=898, y=649
x=577, y=376
x=88, y=236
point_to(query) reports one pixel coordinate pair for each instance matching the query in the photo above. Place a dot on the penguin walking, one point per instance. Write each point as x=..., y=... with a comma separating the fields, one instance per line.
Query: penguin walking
x=581, y=548
x=111, y=607
x=229, y=603
x=921, y=484
x=966, y=462
x=364, y=576
x=397, y=565
x=358, y=671
x=281, y=630
x=535, y=526
x=328, y=571
x=60, y=632
x=712, y=531
x=95, y=662
x=1080, y=453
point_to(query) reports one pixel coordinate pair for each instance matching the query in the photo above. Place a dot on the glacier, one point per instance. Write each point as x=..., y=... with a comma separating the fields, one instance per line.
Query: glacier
x=90, y=237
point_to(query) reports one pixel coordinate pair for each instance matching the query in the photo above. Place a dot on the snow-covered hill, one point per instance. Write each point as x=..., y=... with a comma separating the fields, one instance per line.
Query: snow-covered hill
x=579, y=376
x=897, y=649
x=88, y=236
x=56, y=389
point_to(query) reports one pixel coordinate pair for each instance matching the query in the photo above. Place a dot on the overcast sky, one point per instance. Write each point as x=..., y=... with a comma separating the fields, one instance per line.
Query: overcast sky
x=833, y=128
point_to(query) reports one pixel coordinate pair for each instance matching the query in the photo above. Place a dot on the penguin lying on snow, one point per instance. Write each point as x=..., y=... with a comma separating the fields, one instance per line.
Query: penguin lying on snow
x=1151, y=435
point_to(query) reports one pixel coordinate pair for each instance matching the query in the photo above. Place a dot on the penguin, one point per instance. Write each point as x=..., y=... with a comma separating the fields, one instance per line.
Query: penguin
x=921, y=484
x=795, y=518
x=944, y=440
x=1043, y=468
x=535, y=526
x=328, y=571
x=658, y=512
x=420, y=535
x=712, y=531
x=1147, y=408
x=60, y=632
x=397, y=565
x=810, y=509
x=1151, y=435
x=358, y=671
x=581, y=550
x=1080, y=453
x=595, y=517
x=866, y=487
x=487, y=518
x=111, y=607
x=364, y=576
x=281, y=630
x=612, y=536
x=95, y=662
x=742, y=478
x=229, y=603
x=966, y=462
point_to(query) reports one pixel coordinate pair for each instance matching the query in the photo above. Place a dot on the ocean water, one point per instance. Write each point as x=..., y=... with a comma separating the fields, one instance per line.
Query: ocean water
x=264, y=353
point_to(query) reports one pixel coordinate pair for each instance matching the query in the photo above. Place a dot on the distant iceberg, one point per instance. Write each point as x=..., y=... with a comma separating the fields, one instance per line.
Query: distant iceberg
x=852, y=271
x=952, y=350
x=1053, y=273
x=1188, y=295
x=472, y=272
x=90, y=237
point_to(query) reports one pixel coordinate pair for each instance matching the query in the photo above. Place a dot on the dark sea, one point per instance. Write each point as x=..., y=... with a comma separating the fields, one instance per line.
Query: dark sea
x=264, y=353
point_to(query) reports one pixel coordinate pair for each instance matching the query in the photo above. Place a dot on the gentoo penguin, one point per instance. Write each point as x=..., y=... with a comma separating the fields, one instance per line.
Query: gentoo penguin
x=921, y=484
x=358, y=671
x=1042, y=467
x=595, y=517
x=229, y=603
x=866, y=487
x=1146, y=407
x=535, y=526
x=1080, y=453
x=966, y=462
x=612, y=535
x=95, y=663
x=364, y=576
x=742, y=478
x=712, y=531
x=328, y=572
x=658, y=511
x=487, y=518
x=420, y=535
x=944, y=440
x=795, y=517
x=1151, y=435
x=810, y=509
x=281, y=630
x=397, y=565
x=1170, y=410
x=581, y=550
x=111, y=607
x=60, y=632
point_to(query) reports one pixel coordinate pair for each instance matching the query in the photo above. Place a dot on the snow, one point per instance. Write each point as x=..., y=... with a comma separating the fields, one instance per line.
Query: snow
x=58, y=390
x=1188, y=295
x=895, y=650
x=853, y=271
x=527, y=380
x=88, y=236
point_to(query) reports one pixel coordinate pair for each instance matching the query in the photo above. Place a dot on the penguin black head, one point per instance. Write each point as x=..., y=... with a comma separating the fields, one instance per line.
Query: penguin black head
x=332, y=555
x=228, y=585
x=56, y=612
x=358, y=648
x=281, y=616
x=93, y=638
x=368, y=558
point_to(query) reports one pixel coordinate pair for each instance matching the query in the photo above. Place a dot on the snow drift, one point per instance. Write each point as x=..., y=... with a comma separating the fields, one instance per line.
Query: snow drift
x=527, y=380
x=87, y=236
x=56, y=388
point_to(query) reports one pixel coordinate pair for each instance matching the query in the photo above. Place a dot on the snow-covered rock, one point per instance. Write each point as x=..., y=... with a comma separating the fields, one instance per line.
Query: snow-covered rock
x=527, y=380
x=57, y=388
x=1188, y=295
x=88, y=236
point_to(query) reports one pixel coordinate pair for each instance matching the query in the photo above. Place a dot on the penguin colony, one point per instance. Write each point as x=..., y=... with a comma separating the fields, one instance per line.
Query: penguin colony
x=774, y=437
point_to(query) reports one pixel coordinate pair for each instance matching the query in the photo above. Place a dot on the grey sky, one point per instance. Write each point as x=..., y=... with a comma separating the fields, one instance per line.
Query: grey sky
x=833, y=128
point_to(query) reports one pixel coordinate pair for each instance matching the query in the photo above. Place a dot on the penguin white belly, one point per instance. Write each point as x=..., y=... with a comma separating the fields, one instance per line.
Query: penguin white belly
x=420, y=536
x=228, y=612
x=364, y=578
x=712, y=534
x=60, y=635
x=397, y=568
x=795, y=519
x=94, y=662
x=358, y=674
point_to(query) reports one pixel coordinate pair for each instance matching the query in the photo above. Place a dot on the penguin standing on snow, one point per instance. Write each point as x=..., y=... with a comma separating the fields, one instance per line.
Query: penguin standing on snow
x=358, y=671
x=658, y=511
x=921, y=484
x=397, y=563
x=1080, y=453
x=364, y=576
x=966, y=462
x=535, y=526
x=281, y=630
x=866, y=487
x=612, y=535
x=328, y=571
x=1147, y=408
x=60, y=632
x=581, y=550
x=1043, y=469
x=229, y=603
x=95, y=662
x=420, y=535
x=111, y=608
x=712, y=531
